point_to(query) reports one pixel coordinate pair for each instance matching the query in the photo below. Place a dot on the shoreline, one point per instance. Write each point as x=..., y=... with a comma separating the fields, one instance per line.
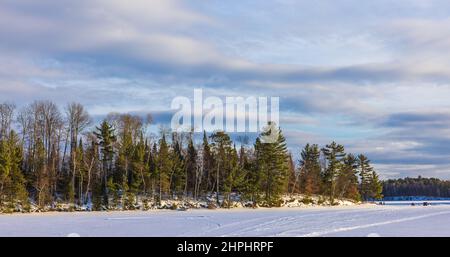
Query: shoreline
x=218, y=210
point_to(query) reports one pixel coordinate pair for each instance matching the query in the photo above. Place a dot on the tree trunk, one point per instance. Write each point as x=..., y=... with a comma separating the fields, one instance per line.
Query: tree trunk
x=217, y=184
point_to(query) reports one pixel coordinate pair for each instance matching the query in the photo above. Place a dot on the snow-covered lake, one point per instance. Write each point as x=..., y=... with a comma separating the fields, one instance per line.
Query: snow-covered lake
x=366, y=220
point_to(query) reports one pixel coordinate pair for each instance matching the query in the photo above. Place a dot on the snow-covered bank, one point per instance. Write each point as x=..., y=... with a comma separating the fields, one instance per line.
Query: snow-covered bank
x=210, y=202
x=358, y=220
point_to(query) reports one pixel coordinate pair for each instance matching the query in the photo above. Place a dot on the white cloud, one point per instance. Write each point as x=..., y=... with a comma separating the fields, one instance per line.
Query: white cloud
x=338, y=75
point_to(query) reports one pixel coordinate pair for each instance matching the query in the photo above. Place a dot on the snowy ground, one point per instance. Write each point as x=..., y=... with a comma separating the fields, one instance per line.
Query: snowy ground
x=365, y=220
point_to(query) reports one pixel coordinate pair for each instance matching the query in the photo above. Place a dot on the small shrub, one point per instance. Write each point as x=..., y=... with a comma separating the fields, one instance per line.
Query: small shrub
x=307, y=200
x=321, y=201
x=146, y=205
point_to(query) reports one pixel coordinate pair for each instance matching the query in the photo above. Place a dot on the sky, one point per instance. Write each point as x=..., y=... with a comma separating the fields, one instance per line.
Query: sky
x=372, y=75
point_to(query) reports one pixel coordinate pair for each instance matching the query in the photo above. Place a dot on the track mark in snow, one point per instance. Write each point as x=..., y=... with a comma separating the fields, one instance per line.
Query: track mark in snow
x=154, y=217
x=336, y=230
x=276, y=221
x=220, y=226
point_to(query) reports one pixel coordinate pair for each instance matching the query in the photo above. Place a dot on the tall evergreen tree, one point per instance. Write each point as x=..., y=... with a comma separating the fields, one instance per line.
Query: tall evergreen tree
x=106, y=139
x=140, y=167
x=376, y=187
x=12, y=181
x=273, y=164
x=178, y=175
x=221, y=146
x=80, y=171
x=309, y=165
x=153, y=169
x=334, y=154
x=234, y=177
x=194, y=177
x=365, y=175
x=164, y=166
x=347, y=180
x=252, y=168
x=207, y=165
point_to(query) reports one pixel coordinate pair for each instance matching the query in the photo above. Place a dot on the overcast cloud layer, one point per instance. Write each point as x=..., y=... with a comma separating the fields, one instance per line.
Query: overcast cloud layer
x=373, y=76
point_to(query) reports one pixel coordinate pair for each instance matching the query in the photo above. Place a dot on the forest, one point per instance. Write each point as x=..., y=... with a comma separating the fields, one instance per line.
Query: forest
x=51, y=155
x=409, y=187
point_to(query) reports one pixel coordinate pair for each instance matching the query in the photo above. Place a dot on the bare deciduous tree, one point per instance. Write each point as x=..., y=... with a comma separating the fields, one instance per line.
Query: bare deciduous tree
x=77, y=120
x=6, y=118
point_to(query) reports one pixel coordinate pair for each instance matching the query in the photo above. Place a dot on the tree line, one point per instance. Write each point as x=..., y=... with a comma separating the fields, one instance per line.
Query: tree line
x=409, y=187
x=49, y=156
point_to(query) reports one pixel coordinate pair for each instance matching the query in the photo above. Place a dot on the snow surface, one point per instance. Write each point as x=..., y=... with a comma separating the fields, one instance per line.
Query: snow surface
x=361, y=220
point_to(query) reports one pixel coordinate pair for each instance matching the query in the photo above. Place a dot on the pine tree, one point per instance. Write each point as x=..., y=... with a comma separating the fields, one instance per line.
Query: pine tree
x=81, y=171
x=122, y=177
x=207, y=165
x=273, y=165
x=310, y=180
x=12, y=181
x=292, y=174
x=252, y=168
x=192, y=172
x=114, y=189
x=153, y=169
x=365, y=173
x=347, y=180
x=376, y=187
x=334, y=154
x=18, y=187
x=6, y=163
x=164, y=166
x=221, y=146
x=140, y=167
x=178, y=174
x=106, y=139
x=234, y=177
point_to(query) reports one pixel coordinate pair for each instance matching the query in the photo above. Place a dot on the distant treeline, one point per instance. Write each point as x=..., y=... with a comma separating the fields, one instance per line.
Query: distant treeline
x=50, y=156
x=431, y=187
